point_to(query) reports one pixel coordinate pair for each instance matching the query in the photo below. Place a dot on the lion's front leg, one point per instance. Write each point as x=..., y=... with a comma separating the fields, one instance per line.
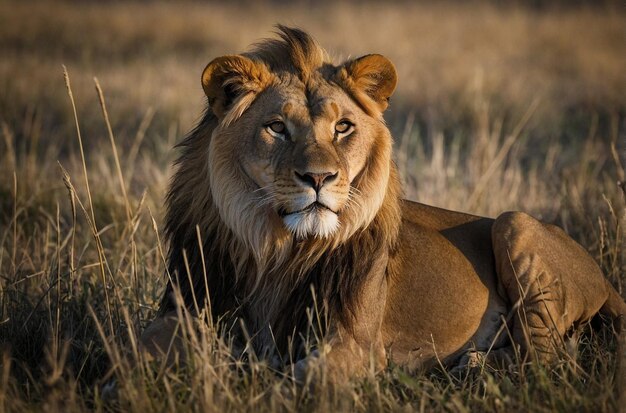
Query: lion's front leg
x=357, y=348
x=342, y=359
x=552, y=283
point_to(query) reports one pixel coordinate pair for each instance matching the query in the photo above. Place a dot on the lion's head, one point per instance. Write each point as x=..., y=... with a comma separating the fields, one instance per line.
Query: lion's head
x=292, y=160
x=300, y=143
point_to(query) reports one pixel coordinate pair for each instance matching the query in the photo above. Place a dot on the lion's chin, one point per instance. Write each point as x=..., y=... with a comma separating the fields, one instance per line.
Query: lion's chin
x=320, y=223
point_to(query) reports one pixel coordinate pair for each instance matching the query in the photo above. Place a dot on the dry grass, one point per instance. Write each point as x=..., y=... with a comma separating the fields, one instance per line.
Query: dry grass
x=498, y=108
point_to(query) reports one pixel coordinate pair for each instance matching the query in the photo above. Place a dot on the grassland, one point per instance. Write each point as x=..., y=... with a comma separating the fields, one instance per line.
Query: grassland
x=498, y=108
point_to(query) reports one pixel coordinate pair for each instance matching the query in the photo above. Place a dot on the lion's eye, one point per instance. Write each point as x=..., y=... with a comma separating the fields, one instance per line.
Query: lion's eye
x=277, y=129
x=343, y=128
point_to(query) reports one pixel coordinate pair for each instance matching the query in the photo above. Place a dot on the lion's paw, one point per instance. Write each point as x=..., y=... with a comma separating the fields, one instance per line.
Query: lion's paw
x=305, y=369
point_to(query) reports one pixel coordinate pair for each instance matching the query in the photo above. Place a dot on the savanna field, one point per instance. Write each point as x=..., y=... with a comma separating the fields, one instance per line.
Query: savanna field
x=498, y=107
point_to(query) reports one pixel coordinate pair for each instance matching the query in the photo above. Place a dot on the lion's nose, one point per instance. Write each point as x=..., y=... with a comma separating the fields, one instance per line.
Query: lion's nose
x=316, y=180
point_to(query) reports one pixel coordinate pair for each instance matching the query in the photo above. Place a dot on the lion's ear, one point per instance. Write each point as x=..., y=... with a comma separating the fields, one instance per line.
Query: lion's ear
x=372, y=75
x=231, y=82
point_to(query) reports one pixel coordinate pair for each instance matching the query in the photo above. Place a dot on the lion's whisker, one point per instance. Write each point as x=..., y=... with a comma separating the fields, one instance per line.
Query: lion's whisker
x=262, y=188
x=355, y=189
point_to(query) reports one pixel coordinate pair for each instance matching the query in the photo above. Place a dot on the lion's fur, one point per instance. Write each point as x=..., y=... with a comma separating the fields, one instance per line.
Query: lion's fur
x=393, y=278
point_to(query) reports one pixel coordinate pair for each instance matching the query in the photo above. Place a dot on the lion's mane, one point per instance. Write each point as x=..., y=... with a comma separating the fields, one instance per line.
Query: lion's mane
x=250, y=272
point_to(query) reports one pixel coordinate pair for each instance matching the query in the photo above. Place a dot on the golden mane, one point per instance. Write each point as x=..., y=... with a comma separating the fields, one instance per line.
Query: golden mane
x=279, y=272
x=295, y=52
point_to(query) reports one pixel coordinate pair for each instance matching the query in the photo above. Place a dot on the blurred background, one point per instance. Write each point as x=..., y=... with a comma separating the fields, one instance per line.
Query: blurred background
x=500, y=106
x=470, y=73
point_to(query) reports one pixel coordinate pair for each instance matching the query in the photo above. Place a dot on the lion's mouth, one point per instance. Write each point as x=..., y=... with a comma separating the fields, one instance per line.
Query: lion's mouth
x=315, y=220
x=314, y=206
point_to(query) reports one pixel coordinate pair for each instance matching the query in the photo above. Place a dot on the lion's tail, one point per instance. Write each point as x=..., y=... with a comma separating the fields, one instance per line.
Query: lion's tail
x=614, y=307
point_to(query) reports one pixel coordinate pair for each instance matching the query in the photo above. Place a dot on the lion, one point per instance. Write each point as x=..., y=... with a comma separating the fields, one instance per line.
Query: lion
x=286, y=198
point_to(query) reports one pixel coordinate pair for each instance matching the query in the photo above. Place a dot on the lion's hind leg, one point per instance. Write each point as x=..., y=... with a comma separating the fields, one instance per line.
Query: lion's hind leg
x=552, y=284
